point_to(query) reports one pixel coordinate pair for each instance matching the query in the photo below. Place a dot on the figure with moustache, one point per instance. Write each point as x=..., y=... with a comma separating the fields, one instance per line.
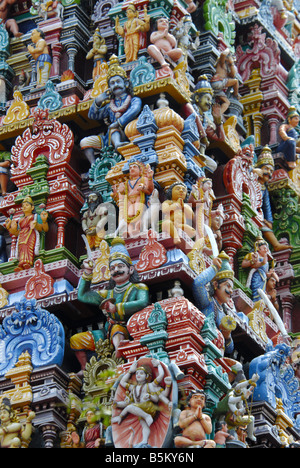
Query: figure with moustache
x=116, y=107
x=220, y=277
x=264, y=169
x=94, y=220
x=124, y=296
x=209, y=130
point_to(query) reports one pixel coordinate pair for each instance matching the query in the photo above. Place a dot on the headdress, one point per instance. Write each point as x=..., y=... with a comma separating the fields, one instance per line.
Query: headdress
x=292, y=112
x=118, y=251
x=115, y=69
x=203, y=85
x=265, y=157
x=225, y=270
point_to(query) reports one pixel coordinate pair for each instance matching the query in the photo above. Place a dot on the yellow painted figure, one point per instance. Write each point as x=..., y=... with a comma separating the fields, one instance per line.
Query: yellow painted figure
x=12, y=432
x=40, y=52
x=131, y=31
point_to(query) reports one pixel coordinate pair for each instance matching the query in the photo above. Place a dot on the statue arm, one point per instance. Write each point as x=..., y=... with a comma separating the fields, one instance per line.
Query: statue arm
x=199, y=289
x=87, y=295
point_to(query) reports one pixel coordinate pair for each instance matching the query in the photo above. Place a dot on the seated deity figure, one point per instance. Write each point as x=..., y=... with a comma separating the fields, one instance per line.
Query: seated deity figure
x=12, y=431
x=121, y=109
x=163, y=44
x=194, y=424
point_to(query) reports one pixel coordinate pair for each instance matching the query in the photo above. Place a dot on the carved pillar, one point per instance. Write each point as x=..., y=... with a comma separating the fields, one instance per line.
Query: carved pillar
x=49, y=435
x=61, y=222
x=56, y=56
x=273, y=124
x=257, y=124
x=72, y=50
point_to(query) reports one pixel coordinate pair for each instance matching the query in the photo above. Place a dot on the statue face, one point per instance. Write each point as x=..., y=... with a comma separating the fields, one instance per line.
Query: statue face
x=162, y=24
x=267, y=172
x=134, y=170
x=197, y=400
x=179, y=192
x=223, y=291
x=4, y=415
x=205, y=102
x=140, y=376
x=117, y=85
x=27, y=208
x=120, y=272
x=293, y=121
x=35, y=36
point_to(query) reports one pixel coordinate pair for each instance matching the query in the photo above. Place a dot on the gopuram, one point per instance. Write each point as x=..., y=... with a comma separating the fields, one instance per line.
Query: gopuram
x=150, y=224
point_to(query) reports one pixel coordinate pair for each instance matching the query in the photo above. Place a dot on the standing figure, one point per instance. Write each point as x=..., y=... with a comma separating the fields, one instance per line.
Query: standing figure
x=98, y=53
x=289, y=139
x=195, y=424
x=132, y=196
x=225, y=77
x=201, y=198
x=27, y=231
x=125, y=296
x=212, y=302
x=121, y=109
x=143, y=396
x=258, y=262
x=132, y=30
x=91, y=436
x=209, y=130
x=94, y=220
x=12, y=432
x=164, y=44
x=264, y=169
x=177, y=214
x=5, y=163
x=40, y=53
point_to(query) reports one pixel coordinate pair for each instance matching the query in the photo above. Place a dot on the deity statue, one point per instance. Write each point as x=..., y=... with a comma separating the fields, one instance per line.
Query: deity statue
x=264, y=169
x=177, y=214
x=10, y=23
x=233, y=408
x=258, y=262
x=125, y=296
x=27, y=231
x=163, y=44
x=201, y=198
x=194, y=423
x=91, y=436
x=94, y=220
x=122, y=108
x=5, y=163
x=143, y=396
x=271, y=292
x=131, y=31
x=182, y=34
x=289, y=144
x=224, y=78
x=220, y=275
x=12, y=432
x=40, y=52
x=222, y=435
x=132, y=197
x=201, y=104
x=98, y=53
